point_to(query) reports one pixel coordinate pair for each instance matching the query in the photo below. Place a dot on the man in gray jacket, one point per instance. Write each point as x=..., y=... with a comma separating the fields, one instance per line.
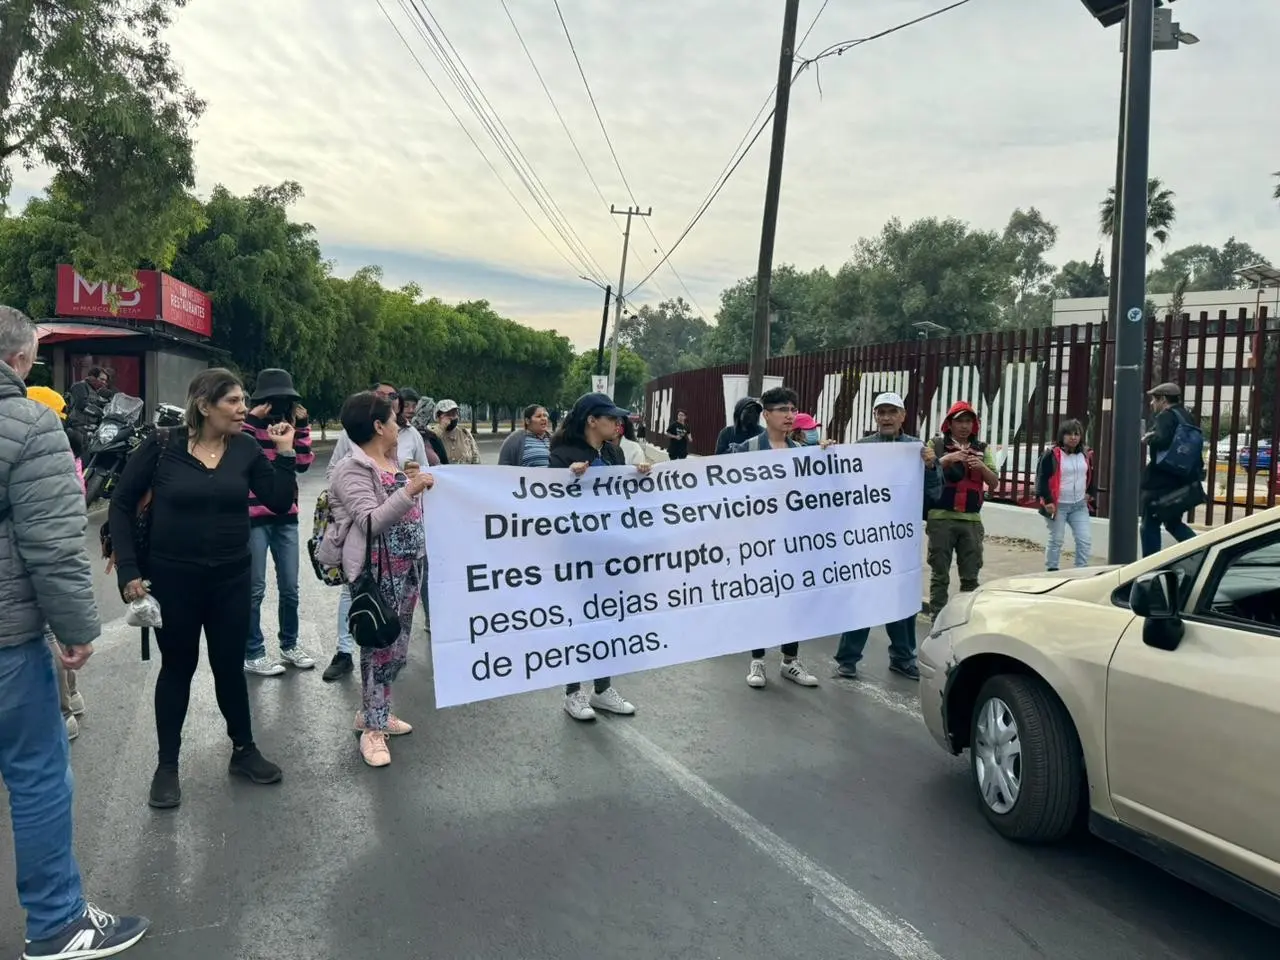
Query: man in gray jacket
x=890, y=413
x=44, y=579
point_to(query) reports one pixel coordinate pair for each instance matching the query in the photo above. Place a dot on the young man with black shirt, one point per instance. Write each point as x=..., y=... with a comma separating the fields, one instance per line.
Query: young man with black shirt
x=679, y=436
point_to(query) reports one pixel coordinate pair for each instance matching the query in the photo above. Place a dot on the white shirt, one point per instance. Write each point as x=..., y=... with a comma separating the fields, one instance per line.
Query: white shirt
x=1073, y=483
x=633, y=452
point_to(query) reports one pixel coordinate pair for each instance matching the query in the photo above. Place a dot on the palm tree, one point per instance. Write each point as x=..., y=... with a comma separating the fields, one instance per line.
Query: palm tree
x=1160, y=212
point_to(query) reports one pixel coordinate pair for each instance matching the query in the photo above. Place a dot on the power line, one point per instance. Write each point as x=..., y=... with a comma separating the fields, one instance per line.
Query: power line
x=666, y=257
x=565, y=126
x=832, y=51
x=451, y=61
x=475, y=143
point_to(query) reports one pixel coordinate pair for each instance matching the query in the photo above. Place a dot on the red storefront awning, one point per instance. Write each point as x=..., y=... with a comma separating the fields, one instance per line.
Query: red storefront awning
x=51, y=333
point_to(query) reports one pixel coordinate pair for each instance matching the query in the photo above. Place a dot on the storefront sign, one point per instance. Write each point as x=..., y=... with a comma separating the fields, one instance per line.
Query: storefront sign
x=157, y=297
x=185, y=306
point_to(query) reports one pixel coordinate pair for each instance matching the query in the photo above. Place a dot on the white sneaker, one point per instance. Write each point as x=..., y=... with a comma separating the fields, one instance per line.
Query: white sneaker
x=73, y=727
x=76, y=703
x=796, y=673
x=578, y=706
x=297, y=657
x=756, y=677
x=263, y=667
x=611, y=701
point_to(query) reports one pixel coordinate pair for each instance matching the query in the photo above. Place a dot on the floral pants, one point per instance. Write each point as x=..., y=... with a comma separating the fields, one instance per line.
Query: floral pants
x=379, y=668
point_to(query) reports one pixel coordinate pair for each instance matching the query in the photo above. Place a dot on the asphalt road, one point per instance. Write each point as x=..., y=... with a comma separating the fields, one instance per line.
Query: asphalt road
x=720, y=822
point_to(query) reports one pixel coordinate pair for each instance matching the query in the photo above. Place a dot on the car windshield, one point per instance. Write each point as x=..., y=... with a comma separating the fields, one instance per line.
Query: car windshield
x=123, y=407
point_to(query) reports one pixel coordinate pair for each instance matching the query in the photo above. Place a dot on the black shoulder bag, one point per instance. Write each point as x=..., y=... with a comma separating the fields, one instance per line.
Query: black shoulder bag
x=372, y=621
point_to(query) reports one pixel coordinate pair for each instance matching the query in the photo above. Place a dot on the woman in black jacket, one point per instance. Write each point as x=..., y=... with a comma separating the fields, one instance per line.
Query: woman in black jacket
x=584, y=440
x=197, y=566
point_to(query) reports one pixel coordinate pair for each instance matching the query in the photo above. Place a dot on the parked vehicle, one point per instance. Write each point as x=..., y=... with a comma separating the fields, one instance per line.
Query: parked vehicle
x=118, y=434
x=1141, y=699
x=1264, y=456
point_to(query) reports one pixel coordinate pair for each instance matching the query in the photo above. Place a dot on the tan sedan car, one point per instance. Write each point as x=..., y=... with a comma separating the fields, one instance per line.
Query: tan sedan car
x=1143, y=700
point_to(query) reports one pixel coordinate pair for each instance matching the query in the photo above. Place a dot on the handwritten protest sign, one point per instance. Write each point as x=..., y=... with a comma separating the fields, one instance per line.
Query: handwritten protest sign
x=539, y=579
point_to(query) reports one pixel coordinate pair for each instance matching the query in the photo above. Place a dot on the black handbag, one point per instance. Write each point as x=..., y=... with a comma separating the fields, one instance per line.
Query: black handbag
x=372, y=621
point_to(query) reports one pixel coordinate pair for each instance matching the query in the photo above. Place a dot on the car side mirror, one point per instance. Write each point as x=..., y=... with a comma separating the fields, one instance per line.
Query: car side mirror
x=1154, y=597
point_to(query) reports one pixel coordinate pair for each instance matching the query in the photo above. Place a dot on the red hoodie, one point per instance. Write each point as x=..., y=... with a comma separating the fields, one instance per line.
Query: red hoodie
x=963, y=489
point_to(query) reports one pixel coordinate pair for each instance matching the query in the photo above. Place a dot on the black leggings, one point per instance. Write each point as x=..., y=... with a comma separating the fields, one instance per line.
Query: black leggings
x=192, y=597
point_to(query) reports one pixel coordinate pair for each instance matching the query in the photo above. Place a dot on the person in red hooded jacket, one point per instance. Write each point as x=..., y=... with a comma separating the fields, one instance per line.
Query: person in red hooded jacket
x=954, y=522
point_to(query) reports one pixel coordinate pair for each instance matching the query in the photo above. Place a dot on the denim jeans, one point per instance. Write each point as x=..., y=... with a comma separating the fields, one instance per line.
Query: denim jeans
x=346, y=642
x=1149, y=533
x=281, y=540
x=35, y=762
x=902, y=643
x=1075, y=516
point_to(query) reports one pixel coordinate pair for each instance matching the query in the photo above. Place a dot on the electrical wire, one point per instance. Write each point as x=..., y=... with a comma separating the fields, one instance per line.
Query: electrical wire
x=666, y=257
x=467, y=85
x=568, y=133
x=475, y=143
x=834, y=50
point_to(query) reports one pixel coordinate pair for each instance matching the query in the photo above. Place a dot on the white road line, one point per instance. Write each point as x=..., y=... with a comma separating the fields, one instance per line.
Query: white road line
x=850, y=908
x=907, y=704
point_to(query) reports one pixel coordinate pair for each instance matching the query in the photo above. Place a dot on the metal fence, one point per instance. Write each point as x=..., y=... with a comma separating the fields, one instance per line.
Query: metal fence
x=1024, y=383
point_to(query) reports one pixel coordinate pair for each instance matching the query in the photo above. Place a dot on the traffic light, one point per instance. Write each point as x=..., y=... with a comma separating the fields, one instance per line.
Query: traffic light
x=1111, y=12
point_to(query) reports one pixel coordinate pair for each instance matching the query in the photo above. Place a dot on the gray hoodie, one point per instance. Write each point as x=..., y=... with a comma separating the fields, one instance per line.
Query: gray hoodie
x=45, y=575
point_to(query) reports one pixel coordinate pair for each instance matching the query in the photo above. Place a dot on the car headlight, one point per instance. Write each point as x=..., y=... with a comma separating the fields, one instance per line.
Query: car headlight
x=108, y=432
x=955, y=613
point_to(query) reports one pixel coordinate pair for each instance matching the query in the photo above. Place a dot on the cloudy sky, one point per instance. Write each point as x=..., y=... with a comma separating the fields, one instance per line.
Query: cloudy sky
x=998, y=104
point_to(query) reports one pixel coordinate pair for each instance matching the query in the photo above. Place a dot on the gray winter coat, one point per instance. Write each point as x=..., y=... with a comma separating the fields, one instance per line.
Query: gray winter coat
x=44, y=571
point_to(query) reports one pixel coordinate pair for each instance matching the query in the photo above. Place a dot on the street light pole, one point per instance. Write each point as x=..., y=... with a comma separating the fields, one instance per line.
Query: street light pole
x=772, y=191
x=1131, y=284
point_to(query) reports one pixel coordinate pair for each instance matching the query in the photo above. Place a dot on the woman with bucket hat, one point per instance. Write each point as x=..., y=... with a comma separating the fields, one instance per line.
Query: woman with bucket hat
x=275, y=401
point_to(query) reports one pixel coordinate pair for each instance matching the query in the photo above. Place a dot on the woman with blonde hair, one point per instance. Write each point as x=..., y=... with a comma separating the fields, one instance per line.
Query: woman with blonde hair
x=197, y=565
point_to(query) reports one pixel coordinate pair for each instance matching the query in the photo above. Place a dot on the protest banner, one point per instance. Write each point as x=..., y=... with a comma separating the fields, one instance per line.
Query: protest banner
x=539, y=579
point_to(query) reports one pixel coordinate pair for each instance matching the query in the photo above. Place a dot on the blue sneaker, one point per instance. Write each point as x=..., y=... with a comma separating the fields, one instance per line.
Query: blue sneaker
x=95, y=934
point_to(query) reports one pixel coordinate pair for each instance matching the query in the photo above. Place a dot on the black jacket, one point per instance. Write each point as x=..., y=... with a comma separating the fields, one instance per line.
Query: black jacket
x=1160, y=438
x=739, y=432
x=569, y=452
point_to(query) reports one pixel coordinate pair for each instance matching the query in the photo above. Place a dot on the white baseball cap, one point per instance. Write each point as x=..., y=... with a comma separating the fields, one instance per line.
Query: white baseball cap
x=889, y=400
x=446, y=406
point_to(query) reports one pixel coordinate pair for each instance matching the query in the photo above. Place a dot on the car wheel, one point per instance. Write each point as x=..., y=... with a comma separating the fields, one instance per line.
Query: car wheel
x=1025, y=759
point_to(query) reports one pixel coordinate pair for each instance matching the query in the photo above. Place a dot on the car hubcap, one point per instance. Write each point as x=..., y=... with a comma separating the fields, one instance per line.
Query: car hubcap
x=997, y=756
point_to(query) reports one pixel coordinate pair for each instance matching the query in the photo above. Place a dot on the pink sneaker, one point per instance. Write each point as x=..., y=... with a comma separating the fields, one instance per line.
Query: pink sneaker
x=395, y=726
x=373, y=748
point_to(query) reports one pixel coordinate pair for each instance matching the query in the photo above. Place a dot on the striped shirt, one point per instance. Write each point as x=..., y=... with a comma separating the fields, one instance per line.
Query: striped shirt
x=257, y=428
x=536, y=451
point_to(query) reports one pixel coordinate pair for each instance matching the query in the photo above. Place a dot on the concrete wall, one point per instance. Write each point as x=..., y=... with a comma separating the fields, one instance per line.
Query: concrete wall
x=1022, y=523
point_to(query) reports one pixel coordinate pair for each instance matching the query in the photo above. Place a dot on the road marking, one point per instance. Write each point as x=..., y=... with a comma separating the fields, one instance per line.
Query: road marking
x=848, y=907
x=907, y=704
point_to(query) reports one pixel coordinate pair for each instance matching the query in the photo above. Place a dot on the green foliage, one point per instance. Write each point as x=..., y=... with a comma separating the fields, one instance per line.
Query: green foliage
x=1028, y=237
x=1161, y=213
x=1079, y=278
x=632, y=375
x=89, y=89
x=668, y=336
x=1205, y=267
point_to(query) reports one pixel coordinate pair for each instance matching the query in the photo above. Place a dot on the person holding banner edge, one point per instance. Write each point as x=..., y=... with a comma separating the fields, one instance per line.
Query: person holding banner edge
x=890, y=413
x=780, y=404
x=584, y=440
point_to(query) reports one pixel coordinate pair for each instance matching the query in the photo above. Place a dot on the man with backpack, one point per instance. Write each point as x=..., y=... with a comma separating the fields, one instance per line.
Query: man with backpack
x=1172, y=483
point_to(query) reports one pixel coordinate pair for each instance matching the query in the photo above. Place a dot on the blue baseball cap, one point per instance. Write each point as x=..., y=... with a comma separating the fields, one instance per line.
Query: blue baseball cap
x=599, y=405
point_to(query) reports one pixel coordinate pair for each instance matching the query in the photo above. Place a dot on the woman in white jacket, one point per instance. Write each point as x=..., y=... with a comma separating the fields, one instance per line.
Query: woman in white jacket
x=631, y=447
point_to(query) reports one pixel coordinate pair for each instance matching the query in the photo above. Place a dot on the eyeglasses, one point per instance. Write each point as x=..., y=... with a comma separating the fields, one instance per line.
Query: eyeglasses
x=786, y=409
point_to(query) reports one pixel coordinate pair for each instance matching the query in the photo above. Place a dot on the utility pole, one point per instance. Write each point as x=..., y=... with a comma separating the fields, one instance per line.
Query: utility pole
x=772, y=191
x=604, y=327
x=622, y=279
x=1131, y=283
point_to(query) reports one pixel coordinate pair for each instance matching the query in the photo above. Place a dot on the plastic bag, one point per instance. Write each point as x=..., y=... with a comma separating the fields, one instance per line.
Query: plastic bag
x=144, y=612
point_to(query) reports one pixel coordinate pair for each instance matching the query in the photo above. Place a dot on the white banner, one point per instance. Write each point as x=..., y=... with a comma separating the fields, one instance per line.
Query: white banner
x=599, y=383
x=538, y=579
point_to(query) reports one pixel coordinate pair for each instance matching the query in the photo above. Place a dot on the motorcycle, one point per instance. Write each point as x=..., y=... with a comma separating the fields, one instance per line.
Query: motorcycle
x=117, y=436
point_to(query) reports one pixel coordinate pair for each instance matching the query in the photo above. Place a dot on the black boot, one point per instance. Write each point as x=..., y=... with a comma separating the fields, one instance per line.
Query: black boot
x=247, y=762
x=338, y=667
x=165, y=790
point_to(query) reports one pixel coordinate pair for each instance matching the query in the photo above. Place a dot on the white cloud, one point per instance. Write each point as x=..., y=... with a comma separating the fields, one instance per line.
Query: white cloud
x=999, y=104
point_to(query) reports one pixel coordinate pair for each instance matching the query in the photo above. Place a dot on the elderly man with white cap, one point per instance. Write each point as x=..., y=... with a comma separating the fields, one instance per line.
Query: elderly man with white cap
x=458, y=442
x=890, y=413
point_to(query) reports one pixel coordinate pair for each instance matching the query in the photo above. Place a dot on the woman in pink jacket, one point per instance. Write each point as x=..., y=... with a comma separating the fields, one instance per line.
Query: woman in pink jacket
x=370, y=485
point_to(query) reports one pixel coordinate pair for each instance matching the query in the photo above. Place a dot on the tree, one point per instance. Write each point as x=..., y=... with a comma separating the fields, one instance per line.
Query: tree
x=669, y=337
x=632, y=375
x=1028, y=237
x=89, y=89
x=802, y=305
x=1205, y=267
x=1161, y=213
x=1078, y=278
x=936, y=271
